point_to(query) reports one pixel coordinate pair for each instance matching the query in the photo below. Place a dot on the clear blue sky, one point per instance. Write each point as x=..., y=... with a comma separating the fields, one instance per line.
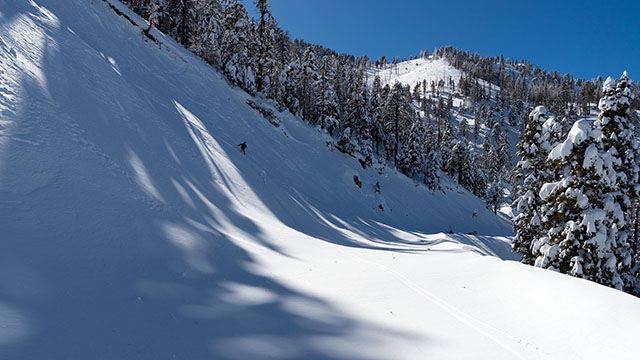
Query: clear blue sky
x=586, y=38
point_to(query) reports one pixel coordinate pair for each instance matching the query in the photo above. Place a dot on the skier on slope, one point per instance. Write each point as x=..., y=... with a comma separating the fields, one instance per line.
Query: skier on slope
x=243, y=146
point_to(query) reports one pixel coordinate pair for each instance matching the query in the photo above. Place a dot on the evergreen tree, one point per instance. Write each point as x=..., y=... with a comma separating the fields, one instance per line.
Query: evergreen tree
x=306, y=91
x=288, y=80
x=476, y=124
x=326, y=98
x=504, y=157
x=489, y=159
x=354, y=124
x=495, y=192
x=235, y=47
x=490, y=119
x=265, y=40
x=281, y=57
x=412, y=159
x=181, y=20
x=618, y=139
x=459, y=162
x=432, y=164
x=207, y=31
x=477, y=182
x=579, y=234
x=376, y=120
x=396, y=114
x=587, y=214
x=528, y=177
x=463, y=128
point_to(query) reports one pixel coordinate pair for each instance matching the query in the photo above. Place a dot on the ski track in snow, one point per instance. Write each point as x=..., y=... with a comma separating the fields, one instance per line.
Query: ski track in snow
x=478, y=325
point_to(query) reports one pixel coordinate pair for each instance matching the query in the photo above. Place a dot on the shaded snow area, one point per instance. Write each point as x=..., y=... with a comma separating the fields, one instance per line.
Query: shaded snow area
x=131, y=227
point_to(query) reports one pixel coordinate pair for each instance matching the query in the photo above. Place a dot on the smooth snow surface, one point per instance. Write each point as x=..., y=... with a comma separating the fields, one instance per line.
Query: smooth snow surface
x=131, y=227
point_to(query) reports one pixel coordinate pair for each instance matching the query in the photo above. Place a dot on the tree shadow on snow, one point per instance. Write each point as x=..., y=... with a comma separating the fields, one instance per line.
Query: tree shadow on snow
x=114, y=247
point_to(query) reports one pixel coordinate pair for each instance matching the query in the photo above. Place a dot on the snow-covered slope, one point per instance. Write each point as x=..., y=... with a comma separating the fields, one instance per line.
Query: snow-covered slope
x=132, y=228
x=416, y=71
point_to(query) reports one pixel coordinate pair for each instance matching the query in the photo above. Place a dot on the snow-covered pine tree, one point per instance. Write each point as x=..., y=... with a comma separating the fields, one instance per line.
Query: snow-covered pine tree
x=288, y=84
x=281, y=54
x=353, y=127
x=477, y=182
x=618, y=138
x=138, y=6
x=271, y=62
x=462, y=165
x=408, y=117
x=265, y=40
x=412, y=157
x=459, y=161
x=476, y=124
x=416, y=92
x=504, y=158
x=181, y=20
x=432, y=163
x=236, y=60
x=496, y=132
x=326, y=98
x=442, y=118
x=490, y=119
x=489, y=159
x=376, y=121
x=578, y=210
x=396, y=113
x=584, y=98
x=365, y=139
x=495, y=192
x=463, y=128
x=309, y=73
x=528, y=176
x=553, y=133
x=207, y=31
x=341, y=87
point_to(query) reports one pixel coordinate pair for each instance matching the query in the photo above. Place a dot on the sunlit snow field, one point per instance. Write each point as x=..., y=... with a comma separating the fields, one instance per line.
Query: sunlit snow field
x=131, y=227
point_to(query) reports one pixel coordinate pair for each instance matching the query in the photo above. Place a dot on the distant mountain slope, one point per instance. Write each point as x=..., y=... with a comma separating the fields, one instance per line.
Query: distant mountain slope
x=133, y=228
x=417, y=70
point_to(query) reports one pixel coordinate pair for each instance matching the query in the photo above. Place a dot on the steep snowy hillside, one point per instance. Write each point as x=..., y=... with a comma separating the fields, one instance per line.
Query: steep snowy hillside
x=427, y=72
x=417, y=70
x=131, y=227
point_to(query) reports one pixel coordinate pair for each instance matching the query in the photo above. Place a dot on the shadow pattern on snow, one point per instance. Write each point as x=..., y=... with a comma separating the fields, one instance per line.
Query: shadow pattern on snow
x=128, y=216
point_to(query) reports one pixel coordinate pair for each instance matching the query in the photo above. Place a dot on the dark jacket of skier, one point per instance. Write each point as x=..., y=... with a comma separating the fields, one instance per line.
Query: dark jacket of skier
x=243, y=146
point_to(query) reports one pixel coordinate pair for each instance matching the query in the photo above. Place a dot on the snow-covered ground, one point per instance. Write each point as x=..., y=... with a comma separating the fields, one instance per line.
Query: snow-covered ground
x=416, y=71
x=131, y=227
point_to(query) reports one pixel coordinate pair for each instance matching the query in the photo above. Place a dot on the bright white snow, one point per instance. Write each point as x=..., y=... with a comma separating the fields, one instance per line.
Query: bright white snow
x=416, y=71
x=133, y=228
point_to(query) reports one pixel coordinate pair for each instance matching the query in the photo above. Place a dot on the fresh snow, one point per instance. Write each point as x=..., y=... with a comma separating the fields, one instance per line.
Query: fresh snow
x=133, y=228
x=580, y=131
x=416, y=71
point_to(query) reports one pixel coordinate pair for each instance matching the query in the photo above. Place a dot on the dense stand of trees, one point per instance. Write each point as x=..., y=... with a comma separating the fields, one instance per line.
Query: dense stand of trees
x=325, y=88
x=411, y=128
x=577, y=193
x=575, y=186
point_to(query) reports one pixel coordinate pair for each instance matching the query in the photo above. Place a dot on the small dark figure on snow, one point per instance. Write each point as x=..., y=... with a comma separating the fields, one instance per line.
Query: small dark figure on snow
x=243, y=146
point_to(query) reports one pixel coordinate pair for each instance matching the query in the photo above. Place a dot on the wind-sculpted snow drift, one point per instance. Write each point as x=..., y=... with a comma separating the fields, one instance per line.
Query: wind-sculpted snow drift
x=131, y=227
